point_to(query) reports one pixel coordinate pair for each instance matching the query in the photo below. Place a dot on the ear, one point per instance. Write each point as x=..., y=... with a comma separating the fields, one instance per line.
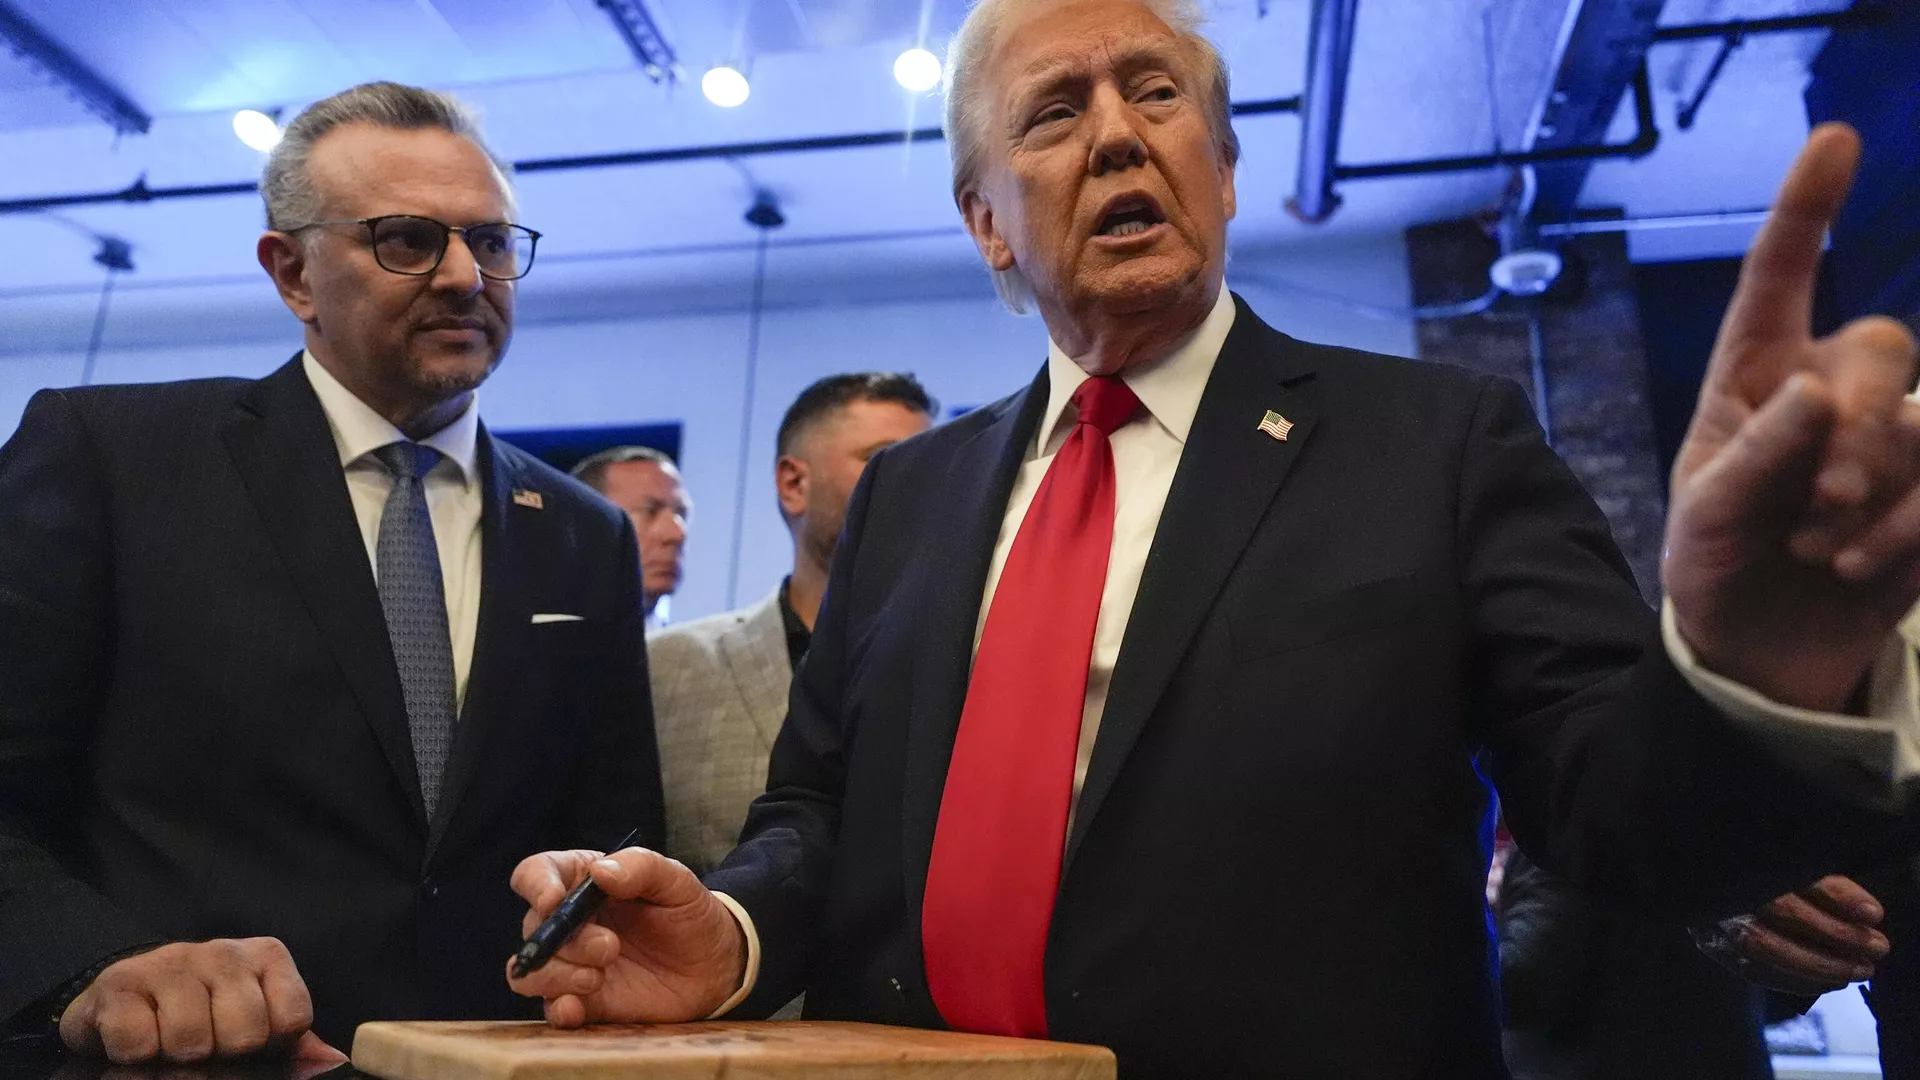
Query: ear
x=284, y=259
x=790, y=483
x=1226, y=188
x=978, y=214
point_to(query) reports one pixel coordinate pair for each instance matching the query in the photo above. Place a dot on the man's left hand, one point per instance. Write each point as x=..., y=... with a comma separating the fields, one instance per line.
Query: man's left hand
x=1812, y=941
x=1793, y=546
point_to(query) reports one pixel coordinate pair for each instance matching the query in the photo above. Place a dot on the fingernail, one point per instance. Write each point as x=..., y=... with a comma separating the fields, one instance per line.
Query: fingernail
x=607, y=866
x=1841, y=484
x=1853, y=565
x=584, y=980
x=1807, y=548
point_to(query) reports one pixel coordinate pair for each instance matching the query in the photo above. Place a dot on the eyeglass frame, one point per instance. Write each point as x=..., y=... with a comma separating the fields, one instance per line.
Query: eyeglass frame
x=446, y=240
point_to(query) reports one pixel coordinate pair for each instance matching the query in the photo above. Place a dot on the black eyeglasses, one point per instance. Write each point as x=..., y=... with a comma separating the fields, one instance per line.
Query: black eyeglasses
x=407, y=244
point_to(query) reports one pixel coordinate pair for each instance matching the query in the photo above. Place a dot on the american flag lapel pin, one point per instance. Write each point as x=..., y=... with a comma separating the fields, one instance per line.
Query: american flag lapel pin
x=1276, y=425
x=531, y=499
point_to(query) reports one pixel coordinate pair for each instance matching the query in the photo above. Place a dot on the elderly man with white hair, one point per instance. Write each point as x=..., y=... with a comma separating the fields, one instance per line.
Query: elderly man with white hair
x=1144, y=703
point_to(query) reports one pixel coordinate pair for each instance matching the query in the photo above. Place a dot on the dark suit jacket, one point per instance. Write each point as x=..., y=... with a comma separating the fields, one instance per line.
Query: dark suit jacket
x=1894, y=993
x=201, y=726
x=1275, y=868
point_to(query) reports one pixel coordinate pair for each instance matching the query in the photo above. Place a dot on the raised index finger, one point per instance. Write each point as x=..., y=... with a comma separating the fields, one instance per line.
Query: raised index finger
x=1774, y=299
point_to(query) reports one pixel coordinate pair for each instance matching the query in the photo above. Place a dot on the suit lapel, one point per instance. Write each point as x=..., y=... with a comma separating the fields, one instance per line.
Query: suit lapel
x=284, y=451
x=1228, y=475
x=755, y=650
x=958, y=550
x=505, y=619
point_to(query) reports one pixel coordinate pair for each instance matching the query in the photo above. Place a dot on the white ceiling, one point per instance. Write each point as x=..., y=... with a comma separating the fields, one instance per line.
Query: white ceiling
x=552, y=78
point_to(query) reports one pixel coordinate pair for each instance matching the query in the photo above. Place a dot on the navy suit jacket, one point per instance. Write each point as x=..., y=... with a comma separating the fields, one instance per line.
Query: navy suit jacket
x=201, y=725
x=1276, y=867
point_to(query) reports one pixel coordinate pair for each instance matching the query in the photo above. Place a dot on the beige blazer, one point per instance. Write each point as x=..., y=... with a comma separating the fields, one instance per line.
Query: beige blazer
x=719, y=697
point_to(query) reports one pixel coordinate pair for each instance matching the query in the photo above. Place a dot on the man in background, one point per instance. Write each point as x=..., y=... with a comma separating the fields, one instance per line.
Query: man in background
x=646, y=484
x=294, y=670
x=720, y=683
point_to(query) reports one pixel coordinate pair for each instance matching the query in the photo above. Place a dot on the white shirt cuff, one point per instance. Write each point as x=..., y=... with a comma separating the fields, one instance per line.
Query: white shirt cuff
x=753, y=957
x=1869, y=758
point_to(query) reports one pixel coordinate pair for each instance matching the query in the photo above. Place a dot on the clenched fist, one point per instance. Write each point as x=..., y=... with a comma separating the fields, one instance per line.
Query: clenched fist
x=190, y=1002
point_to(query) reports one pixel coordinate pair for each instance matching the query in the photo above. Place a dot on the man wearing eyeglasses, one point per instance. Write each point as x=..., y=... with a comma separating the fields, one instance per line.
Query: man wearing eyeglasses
x=294, y=671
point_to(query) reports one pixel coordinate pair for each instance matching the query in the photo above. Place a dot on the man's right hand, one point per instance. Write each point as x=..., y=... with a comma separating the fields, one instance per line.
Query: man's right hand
x=661, y=949
x=190, y=1002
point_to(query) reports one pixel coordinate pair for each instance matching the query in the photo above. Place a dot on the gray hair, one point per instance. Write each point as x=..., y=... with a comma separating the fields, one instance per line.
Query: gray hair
x=967, y=102
x=287, y=187
x=592, y=470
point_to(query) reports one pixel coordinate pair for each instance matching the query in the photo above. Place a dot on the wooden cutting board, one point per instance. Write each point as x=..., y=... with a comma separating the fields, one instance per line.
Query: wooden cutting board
x=780, y=1050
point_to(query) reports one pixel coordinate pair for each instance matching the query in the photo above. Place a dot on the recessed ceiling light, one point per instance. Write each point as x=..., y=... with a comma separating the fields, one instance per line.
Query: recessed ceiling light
x=918, y=70
x=724, y=87
x=256, y=129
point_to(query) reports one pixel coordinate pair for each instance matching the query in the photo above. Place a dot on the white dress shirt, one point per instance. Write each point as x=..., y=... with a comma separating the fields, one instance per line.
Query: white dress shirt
x=1869, y=757
x=1146, y=452
x=453, y=492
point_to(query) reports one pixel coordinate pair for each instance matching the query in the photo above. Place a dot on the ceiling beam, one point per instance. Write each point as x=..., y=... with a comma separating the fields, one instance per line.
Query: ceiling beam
x=1323, y=107
x=1607, y=48
x=84, y=84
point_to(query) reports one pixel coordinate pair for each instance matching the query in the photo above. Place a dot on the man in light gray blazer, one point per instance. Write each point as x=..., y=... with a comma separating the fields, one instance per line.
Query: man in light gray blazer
x=720, y=683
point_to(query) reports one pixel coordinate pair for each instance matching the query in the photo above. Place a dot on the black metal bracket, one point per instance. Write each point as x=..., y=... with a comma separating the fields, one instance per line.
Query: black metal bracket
x=99, y=96
x=1734, y=34
x=1646, y=137
x=1690, y=109
x=644, y=39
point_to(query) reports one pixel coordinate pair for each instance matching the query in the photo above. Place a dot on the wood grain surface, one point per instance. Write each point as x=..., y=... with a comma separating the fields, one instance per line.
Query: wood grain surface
x=781, y=1050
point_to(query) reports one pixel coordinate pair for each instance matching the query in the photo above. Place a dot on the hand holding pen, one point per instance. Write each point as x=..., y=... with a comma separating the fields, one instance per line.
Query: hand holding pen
x=659, y=949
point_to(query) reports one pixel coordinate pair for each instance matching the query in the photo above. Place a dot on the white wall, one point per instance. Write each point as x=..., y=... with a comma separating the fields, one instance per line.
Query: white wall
x=683, y=356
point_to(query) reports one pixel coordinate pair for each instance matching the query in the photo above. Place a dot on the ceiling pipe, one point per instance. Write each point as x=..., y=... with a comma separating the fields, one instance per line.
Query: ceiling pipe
x=1739, y=28
x=1733, y=34
x=139, y=192
x=1323, y=106
x=1655, y=223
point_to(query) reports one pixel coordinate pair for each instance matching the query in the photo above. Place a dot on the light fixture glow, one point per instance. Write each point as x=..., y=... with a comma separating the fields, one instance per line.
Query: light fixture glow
x=918, y=70
x=724, y=87
x=256, y=129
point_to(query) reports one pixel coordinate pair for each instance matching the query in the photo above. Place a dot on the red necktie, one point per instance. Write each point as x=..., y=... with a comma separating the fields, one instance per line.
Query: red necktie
x=1003, y=815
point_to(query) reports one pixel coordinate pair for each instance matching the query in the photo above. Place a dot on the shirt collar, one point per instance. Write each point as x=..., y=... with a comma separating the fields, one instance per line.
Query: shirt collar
x=1169, y=387
x=359, y=431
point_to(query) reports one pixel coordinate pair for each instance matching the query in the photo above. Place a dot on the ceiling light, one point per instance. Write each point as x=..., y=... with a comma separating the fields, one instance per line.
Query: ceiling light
x=918, y=70
x=724, y=87
x=256, y=129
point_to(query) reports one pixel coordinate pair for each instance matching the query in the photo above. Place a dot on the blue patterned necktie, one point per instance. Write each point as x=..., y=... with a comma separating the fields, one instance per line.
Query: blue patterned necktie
x=413, y=597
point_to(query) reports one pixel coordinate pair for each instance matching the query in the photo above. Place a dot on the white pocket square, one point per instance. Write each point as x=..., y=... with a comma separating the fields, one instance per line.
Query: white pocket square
x=538, y=619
